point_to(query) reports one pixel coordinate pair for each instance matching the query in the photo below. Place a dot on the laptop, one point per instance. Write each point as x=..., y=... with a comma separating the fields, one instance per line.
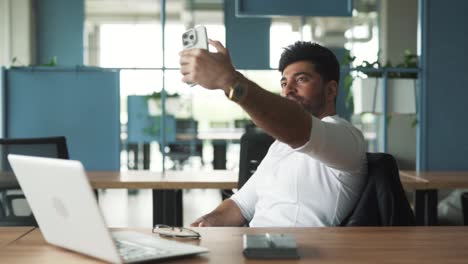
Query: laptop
x=68, y=215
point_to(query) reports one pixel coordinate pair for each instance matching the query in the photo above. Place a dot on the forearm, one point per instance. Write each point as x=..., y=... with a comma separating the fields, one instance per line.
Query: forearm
x=226, y=214
x=283, y=119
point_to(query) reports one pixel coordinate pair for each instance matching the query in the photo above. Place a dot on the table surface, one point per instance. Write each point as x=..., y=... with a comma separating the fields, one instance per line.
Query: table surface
x=214, y=179
x=439, y=179
x=144, y=179
x=10, y=234
x=214, y=134
x=227, y=179
x=316, y=245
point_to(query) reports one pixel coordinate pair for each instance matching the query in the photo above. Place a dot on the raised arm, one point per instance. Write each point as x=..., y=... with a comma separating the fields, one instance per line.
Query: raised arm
x=282, y=118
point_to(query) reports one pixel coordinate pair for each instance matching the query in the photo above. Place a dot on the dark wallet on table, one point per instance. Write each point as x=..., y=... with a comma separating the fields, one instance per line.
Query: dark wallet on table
x=270, y=246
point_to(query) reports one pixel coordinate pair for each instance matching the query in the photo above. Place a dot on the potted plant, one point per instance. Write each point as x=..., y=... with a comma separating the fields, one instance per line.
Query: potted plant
x=173, y=103
x=401, y=105
x=401, y=86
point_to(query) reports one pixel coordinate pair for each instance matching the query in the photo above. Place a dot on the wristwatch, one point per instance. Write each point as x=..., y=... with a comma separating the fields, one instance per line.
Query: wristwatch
x=237, y=91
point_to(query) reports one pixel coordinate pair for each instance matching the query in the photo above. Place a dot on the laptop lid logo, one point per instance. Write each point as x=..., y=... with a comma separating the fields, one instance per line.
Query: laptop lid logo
x=59, y=207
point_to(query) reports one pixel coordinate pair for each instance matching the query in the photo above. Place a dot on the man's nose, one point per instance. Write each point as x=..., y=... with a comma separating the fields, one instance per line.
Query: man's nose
x=288, y=89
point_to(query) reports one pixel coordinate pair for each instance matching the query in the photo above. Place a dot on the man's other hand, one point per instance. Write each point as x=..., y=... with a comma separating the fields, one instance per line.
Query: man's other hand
x=204, y=221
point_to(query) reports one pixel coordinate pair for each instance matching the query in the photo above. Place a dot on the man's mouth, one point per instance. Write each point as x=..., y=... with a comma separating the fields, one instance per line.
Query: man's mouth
x=294, y=98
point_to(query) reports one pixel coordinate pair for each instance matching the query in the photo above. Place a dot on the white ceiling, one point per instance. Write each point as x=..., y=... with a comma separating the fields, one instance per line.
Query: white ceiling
x=205, y=11
x=108, y=11
x=117, y=7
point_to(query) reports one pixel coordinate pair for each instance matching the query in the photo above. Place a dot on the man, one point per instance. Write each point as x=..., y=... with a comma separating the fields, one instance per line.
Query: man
x=314, y=172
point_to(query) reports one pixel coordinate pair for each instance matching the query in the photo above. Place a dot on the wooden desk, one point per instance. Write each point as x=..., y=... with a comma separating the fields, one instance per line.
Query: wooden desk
x=167, y=197
x=440, y=179
x=143, y=179
x=426, y=195
x=10, y=234
x=215, y=179
x=167, y=194
x=316, y=245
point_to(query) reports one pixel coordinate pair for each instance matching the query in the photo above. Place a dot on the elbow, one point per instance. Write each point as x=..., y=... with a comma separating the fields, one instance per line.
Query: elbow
x=300, y=141
x=302, y=136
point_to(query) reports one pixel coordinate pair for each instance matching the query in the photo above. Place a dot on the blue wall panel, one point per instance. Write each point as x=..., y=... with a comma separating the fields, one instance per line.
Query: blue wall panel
x=82, y=105
x=444, y=126
x=144, y=128
x=248, y=39
x=59, y=31
x=294, y=7
x=341, y=109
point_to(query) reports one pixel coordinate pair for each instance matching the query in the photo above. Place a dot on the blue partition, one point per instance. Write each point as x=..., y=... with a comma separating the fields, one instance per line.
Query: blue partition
x=341, y=109
x=59, y=31
x=443, y=130
x=248, y=39
x=144, y=128
x=269, y=8
x=81, y=104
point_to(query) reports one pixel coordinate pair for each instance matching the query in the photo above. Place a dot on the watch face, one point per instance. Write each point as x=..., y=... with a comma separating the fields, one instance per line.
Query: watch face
x=239, y=91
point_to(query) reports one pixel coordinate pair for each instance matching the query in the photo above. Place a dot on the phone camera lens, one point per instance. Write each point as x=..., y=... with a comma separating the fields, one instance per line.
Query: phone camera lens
x=191, y=37
x=186, y=43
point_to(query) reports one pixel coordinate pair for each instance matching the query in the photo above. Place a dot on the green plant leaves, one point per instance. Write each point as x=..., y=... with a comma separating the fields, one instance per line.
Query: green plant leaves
x=51, y=63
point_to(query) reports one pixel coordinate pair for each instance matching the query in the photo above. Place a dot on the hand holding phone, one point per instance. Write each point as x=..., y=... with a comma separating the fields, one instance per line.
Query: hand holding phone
x=195, y=38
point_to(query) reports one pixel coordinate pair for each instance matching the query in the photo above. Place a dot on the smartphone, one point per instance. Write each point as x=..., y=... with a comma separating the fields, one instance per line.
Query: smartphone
x=195, y=38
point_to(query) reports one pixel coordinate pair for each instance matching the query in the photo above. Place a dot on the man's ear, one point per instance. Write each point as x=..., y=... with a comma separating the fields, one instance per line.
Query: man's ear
x=332, y=90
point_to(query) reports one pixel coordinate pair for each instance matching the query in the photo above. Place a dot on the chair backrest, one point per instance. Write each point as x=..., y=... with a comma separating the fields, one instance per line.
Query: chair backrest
x=383, y=201
x=52, y=147
x=253, y=148
x=180, y=150
x=464, y=203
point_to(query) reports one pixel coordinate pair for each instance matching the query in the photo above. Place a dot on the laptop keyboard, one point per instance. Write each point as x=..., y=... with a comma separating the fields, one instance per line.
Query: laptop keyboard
x=131, y=252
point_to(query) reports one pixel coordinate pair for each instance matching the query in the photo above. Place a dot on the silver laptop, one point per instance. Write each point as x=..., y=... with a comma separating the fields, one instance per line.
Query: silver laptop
x=65, y=208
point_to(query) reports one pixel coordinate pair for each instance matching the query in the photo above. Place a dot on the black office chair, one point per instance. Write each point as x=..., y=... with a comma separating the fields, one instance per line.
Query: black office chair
x=464, y=203
x=254, y=146
x=182, y=149
x=383, y=201
x=52, y=147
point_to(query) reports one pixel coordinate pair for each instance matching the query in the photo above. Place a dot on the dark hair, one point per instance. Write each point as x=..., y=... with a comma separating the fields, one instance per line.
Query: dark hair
x=325, y=62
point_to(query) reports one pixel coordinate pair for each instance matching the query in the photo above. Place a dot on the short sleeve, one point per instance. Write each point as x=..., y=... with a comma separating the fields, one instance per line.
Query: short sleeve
x=246, y=198
x=336, y=143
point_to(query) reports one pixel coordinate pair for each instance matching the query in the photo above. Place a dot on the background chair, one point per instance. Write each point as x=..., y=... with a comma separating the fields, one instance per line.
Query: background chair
x=10, y=192
x=254, y=146
x=464, y=203
x=186, y=143
x=383, y=201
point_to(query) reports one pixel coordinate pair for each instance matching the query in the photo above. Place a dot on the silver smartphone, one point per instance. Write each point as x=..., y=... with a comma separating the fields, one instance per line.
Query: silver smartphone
x=195, y=38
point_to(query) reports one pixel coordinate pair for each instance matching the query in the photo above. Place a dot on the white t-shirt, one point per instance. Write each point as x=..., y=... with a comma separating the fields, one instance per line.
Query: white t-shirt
x=317, y=184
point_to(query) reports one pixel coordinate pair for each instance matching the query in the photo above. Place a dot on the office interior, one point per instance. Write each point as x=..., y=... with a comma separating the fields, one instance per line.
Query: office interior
x=419, y=120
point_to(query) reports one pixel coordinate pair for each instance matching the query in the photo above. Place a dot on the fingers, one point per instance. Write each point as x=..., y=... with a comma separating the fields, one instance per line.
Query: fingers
x=198, y=223
x=184, y=60
x=186, y=69
x=218, y=46
x=192, y=52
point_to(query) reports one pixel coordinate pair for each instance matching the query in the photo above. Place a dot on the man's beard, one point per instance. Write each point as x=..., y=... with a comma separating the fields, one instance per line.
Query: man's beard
x=315, y=108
